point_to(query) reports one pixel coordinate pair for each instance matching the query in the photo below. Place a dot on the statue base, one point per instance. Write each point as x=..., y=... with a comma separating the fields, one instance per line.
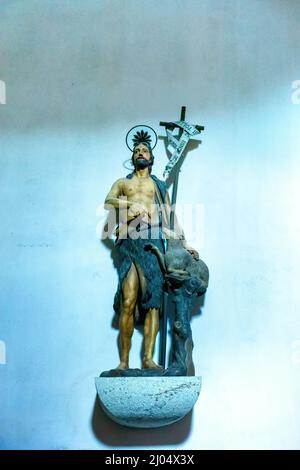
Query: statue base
x=147, y=402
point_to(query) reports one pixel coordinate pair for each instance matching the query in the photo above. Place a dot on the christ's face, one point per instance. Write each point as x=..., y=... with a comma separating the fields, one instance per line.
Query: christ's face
x=141, y=152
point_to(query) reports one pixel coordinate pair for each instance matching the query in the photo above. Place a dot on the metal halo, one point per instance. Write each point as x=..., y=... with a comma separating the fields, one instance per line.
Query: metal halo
x=131, y=167
x=141, y=128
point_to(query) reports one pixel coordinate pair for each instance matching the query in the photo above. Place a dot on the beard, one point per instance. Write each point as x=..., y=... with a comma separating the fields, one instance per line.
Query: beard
x=142, y=163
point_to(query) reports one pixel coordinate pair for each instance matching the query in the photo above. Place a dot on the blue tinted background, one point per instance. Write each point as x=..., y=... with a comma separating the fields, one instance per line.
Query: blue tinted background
x=78, y=76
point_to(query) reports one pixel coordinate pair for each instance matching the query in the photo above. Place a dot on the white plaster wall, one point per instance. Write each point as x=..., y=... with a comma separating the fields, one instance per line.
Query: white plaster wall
x=78, y=75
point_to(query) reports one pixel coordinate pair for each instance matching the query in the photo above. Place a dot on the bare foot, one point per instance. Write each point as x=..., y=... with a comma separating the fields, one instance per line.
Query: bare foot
x=123, y=365
x=150, y=364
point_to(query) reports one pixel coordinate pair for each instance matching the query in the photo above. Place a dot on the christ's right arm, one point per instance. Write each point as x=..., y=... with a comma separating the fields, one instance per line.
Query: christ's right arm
x=115, y=198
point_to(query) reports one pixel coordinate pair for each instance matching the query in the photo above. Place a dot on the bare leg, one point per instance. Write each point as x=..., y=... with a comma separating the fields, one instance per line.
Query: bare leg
x=151, y=327
x=150, y=333
x=129, y=296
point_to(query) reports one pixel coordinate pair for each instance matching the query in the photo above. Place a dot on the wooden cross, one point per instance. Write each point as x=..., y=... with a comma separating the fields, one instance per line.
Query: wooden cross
x=163, y=331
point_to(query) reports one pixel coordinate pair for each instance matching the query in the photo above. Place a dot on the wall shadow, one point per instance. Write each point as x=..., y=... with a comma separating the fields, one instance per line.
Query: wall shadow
x=193, y=144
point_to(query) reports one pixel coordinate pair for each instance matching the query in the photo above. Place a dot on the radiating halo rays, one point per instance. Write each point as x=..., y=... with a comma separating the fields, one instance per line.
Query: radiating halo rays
x=141, y=134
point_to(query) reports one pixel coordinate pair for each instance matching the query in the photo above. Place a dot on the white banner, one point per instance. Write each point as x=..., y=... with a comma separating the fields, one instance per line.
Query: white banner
x=189, y=128
x=177, y=146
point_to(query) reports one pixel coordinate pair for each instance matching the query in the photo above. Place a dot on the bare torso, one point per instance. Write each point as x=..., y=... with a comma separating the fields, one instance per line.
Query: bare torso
x=139, y=192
